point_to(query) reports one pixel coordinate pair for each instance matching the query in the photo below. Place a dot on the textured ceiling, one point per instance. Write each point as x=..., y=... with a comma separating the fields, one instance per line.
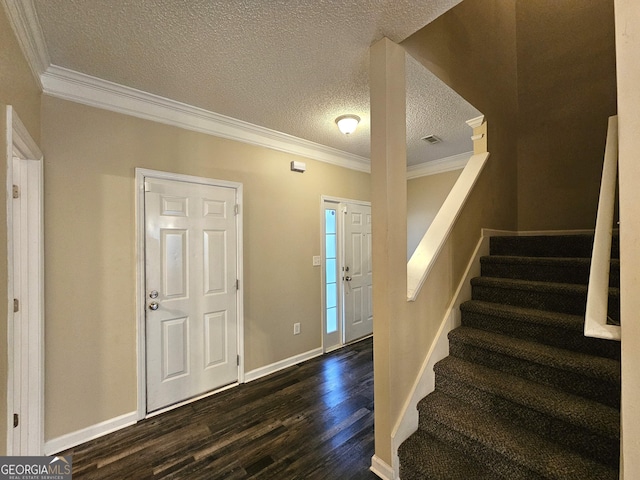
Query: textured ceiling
x=291, y=66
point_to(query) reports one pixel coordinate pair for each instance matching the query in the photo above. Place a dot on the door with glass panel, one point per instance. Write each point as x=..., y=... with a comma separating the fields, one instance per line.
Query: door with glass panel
x=347, y=282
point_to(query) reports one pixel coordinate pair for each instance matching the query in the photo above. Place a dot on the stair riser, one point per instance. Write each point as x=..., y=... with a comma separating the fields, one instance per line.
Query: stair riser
x=558, y=300
x=480, y=453
x=545, y=334
x=595, y=389
x=553, y=246
x=423, y=457
x=583, y=440
x=543, y=272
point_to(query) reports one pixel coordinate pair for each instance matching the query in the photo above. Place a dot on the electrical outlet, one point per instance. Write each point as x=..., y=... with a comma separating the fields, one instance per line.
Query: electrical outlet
x=296, y=329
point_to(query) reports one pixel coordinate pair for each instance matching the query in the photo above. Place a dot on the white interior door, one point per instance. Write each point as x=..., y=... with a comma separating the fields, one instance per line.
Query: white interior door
x=191, y=290
x=357, y=284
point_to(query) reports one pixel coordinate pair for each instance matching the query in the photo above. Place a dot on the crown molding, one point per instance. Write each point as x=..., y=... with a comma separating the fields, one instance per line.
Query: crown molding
x=447, y=164
x=26, y=27
x=78, y=87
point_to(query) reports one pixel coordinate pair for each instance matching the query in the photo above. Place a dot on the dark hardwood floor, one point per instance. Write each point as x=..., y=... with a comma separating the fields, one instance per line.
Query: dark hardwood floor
x=310, y=421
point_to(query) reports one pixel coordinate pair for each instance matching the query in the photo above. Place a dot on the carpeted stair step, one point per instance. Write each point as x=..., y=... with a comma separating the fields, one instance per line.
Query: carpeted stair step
x=589, y=427
x=549, y=269
x=555, y=297
x=560, y=330
x=549, y=246
x=509, y=450
x=423, y=457
x=593, y=377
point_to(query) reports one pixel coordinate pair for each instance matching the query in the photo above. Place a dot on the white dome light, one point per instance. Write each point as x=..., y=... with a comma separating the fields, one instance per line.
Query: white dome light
x=347, y=123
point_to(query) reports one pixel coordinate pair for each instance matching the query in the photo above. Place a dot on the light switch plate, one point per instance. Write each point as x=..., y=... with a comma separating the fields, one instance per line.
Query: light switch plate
x=316, y=260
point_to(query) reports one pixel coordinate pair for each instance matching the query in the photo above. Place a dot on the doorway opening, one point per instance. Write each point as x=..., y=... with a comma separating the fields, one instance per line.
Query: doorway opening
x=347, y=303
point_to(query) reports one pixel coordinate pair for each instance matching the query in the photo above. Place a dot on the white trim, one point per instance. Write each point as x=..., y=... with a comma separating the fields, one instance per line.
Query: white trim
x=433, y=167
x=382, y=469
x=78, y=87
x=26, y=27
x=141, y=174
x=596, y=314
x=427, y=251
x=70, y=440
x=475, y=122
x=31, y=270
x=425, y=381
x=23, y=144
x=329, y=198
x=281, y=365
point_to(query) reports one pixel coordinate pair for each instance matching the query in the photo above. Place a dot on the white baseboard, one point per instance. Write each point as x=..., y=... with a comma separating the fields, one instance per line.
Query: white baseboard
x=382, y=469
x=425, y=381
x=60, y=444
x=282, y=364
x=64, y=442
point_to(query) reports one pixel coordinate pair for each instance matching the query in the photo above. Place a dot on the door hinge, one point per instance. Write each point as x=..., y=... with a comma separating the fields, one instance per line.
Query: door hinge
x=16, y=420
x=238, y=360
x=236, y=209
x=16, y=191
x=16, y=305
x=237, y=284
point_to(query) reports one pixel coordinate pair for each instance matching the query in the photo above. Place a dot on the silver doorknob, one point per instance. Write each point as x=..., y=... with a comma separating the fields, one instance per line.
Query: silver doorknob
x=347, y=278
x=154, y=306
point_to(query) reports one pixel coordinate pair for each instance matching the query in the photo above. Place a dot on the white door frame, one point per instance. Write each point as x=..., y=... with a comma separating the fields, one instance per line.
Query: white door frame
x=340, y=230
x=26, y=258
x=141, y=303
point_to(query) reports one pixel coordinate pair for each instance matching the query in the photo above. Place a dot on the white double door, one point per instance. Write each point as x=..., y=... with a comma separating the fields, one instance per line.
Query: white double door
x=191, y=290
x=347, y=240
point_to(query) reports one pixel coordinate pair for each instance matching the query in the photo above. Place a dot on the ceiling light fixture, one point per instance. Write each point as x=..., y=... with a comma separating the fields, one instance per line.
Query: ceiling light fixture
x=347, y=123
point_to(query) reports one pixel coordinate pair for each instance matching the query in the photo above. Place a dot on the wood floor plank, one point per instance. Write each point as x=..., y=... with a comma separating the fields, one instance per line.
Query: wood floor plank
x=310, y=421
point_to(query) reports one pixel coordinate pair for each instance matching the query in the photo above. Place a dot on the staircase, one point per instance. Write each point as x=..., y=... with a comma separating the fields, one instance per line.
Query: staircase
x=523, y=394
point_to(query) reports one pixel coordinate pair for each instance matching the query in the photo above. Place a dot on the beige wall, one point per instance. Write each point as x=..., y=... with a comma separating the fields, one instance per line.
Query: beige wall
x=566, y=92
x=472, y=48
x=628, y=67
x=425, y=196
x=90, y=156
x=19, y=89
x=553, y=81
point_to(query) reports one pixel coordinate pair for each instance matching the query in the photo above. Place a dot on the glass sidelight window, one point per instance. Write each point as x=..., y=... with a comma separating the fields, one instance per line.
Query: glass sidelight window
x=331, y=270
